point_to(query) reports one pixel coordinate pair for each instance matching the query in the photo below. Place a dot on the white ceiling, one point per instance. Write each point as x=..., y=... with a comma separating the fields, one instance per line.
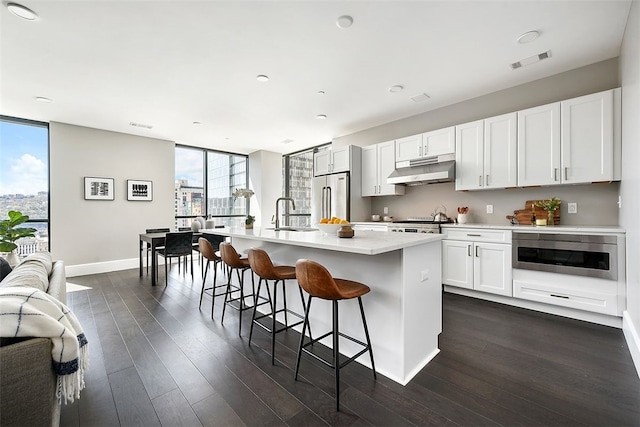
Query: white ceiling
x=171, y=63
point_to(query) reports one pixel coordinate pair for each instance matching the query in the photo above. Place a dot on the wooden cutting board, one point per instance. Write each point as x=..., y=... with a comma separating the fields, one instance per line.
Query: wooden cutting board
x=523, y=216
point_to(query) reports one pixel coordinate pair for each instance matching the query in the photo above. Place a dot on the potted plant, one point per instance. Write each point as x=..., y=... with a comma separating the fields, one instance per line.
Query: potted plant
x=550, y=206
x=248, y=221
x=9, y=233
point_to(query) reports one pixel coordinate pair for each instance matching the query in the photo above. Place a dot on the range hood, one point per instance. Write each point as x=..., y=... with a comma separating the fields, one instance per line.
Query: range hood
x=424, y=171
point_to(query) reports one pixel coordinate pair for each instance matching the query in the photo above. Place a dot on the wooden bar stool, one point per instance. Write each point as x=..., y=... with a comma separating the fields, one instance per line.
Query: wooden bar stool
x=263, y=267
x=318, y=282
x=206, y=250
x=233, y=262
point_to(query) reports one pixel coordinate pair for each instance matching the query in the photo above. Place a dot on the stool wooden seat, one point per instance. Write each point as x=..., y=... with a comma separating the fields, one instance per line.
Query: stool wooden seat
x=206, y=250
x=316, y=280
x=233, y=261
x=263, y=267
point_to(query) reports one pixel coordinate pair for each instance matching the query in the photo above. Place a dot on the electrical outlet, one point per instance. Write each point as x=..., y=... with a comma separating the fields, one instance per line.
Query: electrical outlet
x=386, y=210
x=572, y=207
x=489, y=209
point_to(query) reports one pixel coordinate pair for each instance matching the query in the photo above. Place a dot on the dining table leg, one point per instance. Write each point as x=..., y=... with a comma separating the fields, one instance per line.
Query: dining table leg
x=141, y=249
x=154, y=262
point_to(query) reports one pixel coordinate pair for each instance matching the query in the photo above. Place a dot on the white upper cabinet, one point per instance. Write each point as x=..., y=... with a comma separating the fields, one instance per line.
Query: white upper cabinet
x=486, y=153
x=332, y=160
x=568, y=142
x=378, y=162
x=539, y=145
x=470, y=156
x=587, y=138
x=428, y=144
x=409, y=148
x=438, y=142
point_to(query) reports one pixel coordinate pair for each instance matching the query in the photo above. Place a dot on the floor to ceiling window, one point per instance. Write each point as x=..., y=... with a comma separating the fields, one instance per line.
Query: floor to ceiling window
x=24, y=178
x=297, y=182
x=204, y=184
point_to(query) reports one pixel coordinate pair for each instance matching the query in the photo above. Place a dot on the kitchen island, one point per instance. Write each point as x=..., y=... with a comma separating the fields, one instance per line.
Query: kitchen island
x=404, y=307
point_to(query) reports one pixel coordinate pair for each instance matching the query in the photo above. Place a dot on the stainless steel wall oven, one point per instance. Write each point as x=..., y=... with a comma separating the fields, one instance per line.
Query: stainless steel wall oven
x=576, y=254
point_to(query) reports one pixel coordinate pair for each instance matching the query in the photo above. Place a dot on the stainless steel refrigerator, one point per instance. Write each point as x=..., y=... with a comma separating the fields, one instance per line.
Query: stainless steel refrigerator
x=331, y=197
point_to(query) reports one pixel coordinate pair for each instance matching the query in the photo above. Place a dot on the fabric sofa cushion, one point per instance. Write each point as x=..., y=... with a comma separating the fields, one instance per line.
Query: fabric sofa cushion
x=43, y=257
x=30, y=273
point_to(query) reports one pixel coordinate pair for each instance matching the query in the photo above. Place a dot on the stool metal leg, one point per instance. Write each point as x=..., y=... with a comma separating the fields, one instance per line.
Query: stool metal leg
x=304, y=327
x=336, y=353
x=366, y=333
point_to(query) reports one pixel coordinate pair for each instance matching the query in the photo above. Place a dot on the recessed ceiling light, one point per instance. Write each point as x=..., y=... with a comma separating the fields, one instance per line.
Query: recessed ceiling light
x=43, y=99
x=396, y=89
x=344, y=21
x=262, y=78
x=320, y=92
x=286, y=141
x=197, y=123
x=528, y=37
x=22, y=12
x=321, y=116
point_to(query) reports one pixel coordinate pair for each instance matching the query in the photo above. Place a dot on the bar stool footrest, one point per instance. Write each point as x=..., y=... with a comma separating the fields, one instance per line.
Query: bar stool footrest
x=328, y=363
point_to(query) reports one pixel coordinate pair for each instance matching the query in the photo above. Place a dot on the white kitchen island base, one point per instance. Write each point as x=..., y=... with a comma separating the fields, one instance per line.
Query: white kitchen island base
x=403, y=309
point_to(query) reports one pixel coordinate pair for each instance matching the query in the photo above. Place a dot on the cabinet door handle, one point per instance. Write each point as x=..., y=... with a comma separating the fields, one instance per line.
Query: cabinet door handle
x=566, y=172
x=379, y=189
x=477, y=251
x=486, y=182
x=559, y=296
x=474, y=235
x=555, y=174
x=480, y=181
x=468, y=250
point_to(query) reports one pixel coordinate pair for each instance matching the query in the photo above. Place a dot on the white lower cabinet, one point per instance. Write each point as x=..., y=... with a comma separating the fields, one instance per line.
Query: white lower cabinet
x=479, y=265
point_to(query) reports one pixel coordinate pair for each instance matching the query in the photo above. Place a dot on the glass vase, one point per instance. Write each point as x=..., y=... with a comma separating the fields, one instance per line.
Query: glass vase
x=550, y=217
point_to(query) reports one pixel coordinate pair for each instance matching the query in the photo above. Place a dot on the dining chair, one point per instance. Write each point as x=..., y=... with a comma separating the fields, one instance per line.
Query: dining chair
x=177, y=245
x=154, y=230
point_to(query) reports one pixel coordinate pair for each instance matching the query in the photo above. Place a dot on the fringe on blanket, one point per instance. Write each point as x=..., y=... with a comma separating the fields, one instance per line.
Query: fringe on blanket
x=71, y=384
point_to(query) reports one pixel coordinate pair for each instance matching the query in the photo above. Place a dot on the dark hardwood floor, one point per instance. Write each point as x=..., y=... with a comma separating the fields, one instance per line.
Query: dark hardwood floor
x=157, y=360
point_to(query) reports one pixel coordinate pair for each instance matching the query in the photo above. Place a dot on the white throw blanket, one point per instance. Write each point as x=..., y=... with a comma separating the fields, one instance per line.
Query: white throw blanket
x=30, y=312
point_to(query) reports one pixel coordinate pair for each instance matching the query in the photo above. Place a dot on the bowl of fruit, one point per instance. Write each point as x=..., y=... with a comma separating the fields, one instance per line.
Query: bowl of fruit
x=330, y=226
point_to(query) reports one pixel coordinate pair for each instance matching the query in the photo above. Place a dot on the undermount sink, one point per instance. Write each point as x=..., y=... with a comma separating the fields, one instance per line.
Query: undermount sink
x=292, y=229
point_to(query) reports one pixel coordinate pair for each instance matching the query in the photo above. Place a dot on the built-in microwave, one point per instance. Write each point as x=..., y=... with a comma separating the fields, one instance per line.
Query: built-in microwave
x=576, y=254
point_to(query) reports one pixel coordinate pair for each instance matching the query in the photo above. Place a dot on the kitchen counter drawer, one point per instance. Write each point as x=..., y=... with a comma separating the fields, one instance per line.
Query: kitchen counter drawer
x=478, y=235
x=582, y=293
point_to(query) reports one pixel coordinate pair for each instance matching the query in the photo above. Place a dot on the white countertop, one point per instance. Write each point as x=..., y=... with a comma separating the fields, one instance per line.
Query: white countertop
x=364, y=242
x=544, y=229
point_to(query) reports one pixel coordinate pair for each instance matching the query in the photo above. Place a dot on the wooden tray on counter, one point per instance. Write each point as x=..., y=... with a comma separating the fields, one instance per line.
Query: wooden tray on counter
x=523, y=216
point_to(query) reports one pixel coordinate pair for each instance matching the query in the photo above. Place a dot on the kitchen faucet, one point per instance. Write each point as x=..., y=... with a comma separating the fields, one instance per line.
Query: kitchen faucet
x=293, y=204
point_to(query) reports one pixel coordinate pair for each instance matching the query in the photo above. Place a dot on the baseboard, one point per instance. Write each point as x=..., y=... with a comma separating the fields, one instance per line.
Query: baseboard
x=633, y=339
x=101, y=267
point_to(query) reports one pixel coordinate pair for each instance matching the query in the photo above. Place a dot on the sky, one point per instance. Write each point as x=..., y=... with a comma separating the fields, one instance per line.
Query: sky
x=189, y=166
x=23, y=158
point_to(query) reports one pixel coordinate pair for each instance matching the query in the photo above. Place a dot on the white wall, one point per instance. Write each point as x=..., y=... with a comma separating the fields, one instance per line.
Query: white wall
x=265, y=177
x=630, y=187
x=90, y=231
x=596, y=203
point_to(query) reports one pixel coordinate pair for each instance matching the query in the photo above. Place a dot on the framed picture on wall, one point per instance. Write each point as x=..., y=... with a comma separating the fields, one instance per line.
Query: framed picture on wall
x=99, y=188
x=139, y=190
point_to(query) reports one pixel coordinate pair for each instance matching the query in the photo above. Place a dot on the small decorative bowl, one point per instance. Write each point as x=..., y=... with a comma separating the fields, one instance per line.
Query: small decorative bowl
x=329, y=229
x=345, y=231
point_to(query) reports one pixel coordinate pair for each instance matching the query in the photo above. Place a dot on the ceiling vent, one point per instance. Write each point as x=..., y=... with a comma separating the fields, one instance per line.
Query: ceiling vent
x=140, y=125
x=531, y=60
x=420, y=98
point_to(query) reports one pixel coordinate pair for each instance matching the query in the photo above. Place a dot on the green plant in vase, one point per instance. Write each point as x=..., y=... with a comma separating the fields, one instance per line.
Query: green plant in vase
x=550, y=206
x=10, y=233
x=248, y=221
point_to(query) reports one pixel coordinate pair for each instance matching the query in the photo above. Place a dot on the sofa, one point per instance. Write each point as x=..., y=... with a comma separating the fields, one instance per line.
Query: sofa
x=30, y=400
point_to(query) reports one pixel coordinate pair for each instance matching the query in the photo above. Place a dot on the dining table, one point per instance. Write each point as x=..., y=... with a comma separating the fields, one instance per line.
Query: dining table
x=156, y=240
